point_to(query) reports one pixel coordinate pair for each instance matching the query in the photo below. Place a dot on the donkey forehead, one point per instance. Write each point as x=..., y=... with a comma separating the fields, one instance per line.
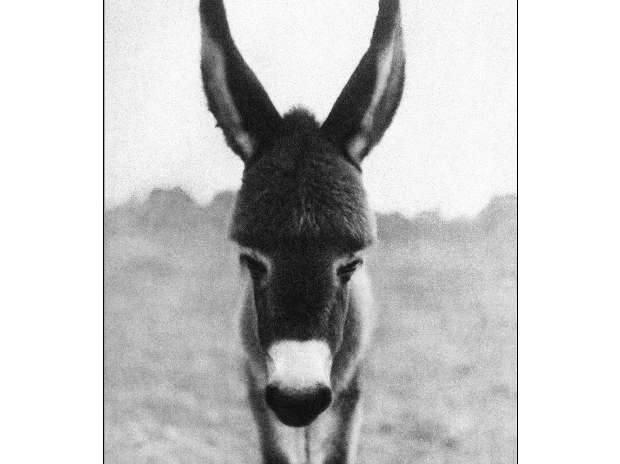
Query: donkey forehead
x=307, y=271
x=313, y=258
x=301, y=191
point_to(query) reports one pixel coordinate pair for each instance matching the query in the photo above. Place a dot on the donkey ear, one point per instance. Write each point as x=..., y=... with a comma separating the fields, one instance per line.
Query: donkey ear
x=365, y=108
x=236, y=98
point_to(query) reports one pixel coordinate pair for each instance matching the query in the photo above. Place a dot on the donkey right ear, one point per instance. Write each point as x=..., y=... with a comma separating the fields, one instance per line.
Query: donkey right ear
x=236, y=98
x=365, y=108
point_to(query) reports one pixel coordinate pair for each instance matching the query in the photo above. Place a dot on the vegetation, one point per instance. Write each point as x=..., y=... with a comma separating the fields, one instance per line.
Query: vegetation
x=440, y=380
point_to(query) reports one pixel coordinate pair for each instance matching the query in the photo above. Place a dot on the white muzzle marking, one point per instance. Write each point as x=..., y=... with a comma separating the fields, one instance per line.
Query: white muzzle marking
x=299, y=365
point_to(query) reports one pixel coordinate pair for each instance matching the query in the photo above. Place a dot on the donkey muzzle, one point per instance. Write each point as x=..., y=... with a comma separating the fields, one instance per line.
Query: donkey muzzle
x=298, y=380
x=295, y=408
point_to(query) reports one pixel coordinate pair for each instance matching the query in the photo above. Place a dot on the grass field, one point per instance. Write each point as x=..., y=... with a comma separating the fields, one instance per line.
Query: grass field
x=440, y=379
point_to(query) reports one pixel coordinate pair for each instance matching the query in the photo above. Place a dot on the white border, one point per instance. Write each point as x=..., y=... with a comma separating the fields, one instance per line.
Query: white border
x=51, y=248
x=569, y=160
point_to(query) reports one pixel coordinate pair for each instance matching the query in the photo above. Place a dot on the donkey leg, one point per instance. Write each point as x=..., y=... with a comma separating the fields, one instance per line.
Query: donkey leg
x=333, y=438
x=279, y=444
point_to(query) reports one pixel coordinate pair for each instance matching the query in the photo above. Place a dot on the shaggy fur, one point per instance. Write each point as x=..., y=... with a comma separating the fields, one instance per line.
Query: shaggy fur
x=301, y=189
x=302, y=210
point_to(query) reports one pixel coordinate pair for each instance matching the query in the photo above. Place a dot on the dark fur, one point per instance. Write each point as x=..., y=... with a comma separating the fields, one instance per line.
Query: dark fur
x=303, y=204
x=344, y=120
x=303, y=301
x=258, y=115
x=301, y=189
x=259, y=118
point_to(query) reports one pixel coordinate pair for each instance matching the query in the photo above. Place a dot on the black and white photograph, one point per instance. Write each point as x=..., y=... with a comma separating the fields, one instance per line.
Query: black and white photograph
x=310, y=232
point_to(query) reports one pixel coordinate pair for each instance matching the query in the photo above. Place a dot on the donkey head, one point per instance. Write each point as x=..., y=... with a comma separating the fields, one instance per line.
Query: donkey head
x=301, y=217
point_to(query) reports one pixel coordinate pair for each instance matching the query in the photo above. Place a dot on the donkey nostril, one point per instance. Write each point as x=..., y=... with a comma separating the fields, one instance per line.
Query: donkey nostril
x=298, y=408
x=271, y=396
x=323, y=398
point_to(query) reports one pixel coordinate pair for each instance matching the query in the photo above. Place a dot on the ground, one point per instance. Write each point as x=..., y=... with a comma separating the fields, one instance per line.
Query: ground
x=440, y=378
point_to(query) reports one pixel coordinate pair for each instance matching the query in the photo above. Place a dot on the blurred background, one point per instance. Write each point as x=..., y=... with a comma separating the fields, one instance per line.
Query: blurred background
x=440, y=380
x=452, y=144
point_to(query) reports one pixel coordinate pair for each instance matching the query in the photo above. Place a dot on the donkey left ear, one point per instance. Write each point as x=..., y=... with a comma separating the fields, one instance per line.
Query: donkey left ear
x=236, y=98
x=365, y=108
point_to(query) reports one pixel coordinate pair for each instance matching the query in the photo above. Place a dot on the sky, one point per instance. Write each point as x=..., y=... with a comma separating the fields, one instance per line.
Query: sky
x=451, y=146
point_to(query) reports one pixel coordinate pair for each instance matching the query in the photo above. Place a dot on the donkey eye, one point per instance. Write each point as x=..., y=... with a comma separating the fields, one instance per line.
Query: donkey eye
x=257, y=269
x=345, y=272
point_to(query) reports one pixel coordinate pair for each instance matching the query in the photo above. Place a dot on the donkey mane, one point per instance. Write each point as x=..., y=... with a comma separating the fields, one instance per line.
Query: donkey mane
x=303, y=191
x=299, y=119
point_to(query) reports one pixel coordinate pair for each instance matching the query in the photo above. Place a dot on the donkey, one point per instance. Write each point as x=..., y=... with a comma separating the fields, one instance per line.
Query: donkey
x=302, y=223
